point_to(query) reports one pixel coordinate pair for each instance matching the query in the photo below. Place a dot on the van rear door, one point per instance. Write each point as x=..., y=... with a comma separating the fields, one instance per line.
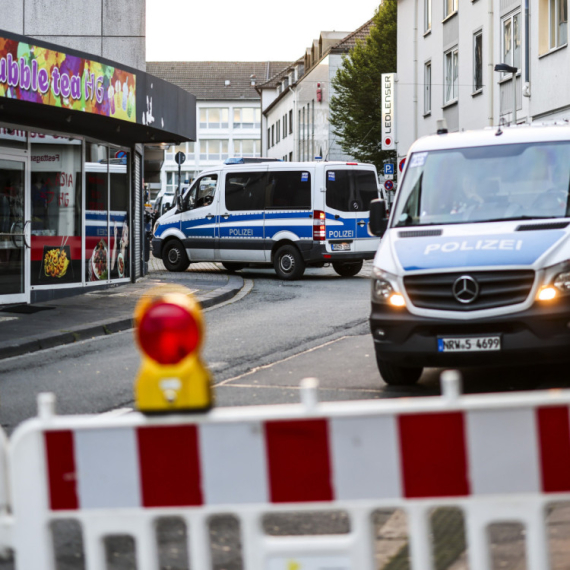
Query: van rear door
x=349, y=191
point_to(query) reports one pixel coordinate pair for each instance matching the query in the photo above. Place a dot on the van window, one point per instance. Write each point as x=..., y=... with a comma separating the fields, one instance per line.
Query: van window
x=351, y=190
x=289, y=190
x=245, y=190
x=201, y=193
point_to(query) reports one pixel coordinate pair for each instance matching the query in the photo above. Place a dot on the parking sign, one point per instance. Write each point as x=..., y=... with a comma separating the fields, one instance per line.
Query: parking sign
x=389, y=169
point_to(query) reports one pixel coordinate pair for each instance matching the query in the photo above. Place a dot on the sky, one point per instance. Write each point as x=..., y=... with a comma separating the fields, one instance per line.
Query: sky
x=245, y=30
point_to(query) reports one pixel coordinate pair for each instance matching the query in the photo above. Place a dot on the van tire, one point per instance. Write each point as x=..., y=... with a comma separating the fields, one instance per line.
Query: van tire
x=174, y=256
x=347, y=268
x=231, y=267
x=288, y=263
x=395, y=375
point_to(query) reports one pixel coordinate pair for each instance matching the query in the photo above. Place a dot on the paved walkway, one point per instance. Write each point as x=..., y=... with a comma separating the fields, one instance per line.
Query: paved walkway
x=44, y=325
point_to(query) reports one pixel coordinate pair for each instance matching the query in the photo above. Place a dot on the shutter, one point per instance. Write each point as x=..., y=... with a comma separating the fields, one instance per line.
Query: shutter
x=137, y=215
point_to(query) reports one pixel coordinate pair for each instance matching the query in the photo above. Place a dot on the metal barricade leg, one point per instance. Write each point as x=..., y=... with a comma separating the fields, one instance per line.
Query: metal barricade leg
x=199, y=538
x=477, y=543
x=146, y=545
x=420, y=546
x=362, y=530
x=536, y=538
x=94, y=549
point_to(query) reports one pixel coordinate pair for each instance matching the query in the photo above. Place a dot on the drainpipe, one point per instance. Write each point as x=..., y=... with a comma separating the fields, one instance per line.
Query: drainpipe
x=416, y=78
x=491, y=65
x=526, y=88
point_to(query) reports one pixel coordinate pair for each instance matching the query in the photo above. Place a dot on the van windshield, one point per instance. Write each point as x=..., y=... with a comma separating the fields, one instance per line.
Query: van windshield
x=483, y=184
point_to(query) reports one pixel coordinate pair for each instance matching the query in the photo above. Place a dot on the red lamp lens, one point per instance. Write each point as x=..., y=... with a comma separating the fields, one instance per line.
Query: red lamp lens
x=168, y=333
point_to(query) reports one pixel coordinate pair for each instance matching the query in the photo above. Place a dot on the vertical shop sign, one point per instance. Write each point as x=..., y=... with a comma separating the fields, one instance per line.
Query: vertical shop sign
x=388, y=112
x=40, y=75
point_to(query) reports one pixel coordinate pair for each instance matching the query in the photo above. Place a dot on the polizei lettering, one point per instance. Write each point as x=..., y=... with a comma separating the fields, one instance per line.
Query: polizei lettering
x=341, y=234
x=481, y=244
x=241, y=233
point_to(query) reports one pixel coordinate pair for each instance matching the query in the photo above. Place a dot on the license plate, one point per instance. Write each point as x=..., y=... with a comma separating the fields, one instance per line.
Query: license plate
x=469, y=344
x=340, y=247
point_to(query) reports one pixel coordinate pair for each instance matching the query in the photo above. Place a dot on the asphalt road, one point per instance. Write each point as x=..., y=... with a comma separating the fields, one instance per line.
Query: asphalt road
x=259, y=347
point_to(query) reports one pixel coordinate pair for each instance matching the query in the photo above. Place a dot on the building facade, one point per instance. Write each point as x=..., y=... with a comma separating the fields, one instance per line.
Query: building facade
x=296, y=102
x=447, y=52
x=228, y=113
x=73, y=133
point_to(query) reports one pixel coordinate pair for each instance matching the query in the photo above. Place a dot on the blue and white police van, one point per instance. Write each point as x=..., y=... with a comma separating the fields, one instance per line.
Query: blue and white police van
x=474, y=265
x=290, y=215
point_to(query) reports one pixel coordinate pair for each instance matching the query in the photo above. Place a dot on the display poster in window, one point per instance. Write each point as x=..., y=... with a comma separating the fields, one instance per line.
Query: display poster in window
x=40, y=75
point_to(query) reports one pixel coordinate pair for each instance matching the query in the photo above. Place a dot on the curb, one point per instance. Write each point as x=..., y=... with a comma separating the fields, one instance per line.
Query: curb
x=107, y=327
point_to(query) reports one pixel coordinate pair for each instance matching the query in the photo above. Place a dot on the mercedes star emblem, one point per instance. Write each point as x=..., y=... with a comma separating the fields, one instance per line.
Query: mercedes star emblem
x=465, y=289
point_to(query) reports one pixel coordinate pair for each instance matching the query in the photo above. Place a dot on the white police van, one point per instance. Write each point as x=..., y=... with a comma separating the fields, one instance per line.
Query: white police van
x=290, y=215
x=474, y=265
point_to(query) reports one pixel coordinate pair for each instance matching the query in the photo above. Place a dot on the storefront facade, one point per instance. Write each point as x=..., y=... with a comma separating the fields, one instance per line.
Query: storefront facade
x=72, y=134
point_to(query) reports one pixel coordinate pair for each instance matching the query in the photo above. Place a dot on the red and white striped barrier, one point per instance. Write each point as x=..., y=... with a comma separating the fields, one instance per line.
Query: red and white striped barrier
x=498, y=457
x=359, y=457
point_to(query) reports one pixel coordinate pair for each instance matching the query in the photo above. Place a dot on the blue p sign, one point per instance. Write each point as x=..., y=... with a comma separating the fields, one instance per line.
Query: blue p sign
x=389, y=169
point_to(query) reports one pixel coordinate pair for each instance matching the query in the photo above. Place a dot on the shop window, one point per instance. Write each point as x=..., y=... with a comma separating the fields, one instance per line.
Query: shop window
x=213, y=149
x=289, y=190
x=214, y=118
x=247, y=118
x=56, y=210
x=119, y=223
x=14, y=138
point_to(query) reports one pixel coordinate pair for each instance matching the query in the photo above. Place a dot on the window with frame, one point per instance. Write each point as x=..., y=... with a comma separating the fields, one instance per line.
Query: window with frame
x=213, y=149
x=427, y=15
x=247, y=118
x=214, y=118
x=290, y=122
x=427, y=88
x=247, y=148
x=477, y=61
x=285, y=125
x=268, y=137
x=272, y=135
x=451, y=71
x=557, y=23
x=278, y=130
x=449, y=7
x=511, y=40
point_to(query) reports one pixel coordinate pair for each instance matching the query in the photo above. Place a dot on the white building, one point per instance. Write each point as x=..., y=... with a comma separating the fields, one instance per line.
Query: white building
x=295, y=102
x=228, y=112
x=447, y=51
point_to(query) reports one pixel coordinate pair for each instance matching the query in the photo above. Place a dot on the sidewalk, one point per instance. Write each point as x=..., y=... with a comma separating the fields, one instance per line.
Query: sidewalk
x=29, y=328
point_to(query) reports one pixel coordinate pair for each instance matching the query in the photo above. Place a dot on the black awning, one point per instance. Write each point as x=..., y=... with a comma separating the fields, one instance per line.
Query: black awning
x=164, y=112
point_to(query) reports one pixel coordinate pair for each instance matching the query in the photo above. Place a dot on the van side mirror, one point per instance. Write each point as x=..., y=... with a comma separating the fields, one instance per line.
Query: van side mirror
x=378, y=218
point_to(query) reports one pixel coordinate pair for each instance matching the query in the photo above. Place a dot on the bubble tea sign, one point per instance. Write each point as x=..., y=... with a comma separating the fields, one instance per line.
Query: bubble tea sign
x=41, y=75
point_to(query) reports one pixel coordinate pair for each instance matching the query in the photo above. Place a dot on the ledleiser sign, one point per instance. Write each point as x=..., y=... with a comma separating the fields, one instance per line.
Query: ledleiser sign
x=41, y=75
x=388, y=115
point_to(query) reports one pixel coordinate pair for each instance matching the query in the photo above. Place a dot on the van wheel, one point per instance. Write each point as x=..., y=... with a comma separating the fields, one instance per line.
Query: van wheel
x=395, y=375
x=174, y=257
x=347, y=268
x=231, y=267
x=289, y=263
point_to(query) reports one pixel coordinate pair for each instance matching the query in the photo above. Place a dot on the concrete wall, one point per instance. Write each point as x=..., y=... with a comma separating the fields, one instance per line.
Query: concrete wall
x=114, y=29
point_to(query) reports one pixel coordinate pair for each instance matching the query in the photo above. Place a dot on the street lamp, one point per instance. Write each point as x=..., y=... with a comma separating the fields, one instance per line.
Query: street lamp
x=505, y=68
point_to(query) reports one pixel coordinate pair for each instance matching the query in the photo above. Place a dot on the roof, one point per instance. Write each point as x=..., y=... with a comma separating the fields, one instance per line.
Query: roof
x=207, y=79
x=535, y=133
x=349, y=41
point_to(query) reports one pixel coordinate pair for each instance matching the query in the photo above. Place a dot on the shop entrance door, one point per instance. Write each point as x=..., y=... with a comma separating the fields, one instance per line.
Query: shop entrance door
x=14, y=231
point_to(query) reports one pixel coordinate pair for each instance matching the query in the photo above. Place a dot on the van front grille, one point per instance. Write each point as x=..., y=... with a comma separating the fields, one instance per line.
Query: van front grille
x=443, y=291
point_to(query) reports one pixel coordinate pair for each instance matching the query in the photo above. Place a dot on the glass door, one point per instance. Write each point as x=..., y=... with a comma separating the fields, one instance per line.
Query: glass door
x=14, y=231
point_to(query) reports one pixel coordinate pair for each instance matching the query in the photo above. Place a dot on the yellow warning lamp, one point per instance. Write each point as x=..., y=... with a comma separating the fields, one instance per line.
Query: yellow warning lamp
x=169, y=331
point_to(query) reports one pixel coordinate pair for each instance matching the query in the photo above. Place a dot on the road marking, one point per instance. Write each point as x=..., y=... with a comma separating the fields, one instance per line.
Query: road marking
x=117, y=412
x=368, y=390
x=266, y=366
x=247, y=287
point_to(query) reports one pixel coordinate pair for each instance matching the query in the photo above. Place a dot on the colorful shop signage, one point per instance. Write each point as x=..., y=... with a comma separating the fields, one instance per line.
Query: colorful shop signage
x=41, y=75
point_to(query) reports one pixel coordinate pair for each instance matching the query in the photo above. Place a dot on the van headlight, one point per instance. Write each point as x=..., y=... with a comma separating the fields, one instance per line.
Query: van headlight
x=562, y=282
x=156, y=224
x=384, y=289
x=556, y=282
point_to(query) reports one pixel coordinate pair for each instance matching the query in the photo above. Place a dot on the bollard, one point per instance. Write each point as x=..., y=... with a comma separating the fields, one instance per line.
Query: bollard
x=46, y=405
x=451, y=384
x=309, y=395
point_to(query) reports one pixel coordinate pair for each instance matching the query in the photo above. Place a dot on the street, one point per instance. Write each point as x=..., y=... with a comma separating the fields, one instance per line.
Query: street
x=259, y=346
